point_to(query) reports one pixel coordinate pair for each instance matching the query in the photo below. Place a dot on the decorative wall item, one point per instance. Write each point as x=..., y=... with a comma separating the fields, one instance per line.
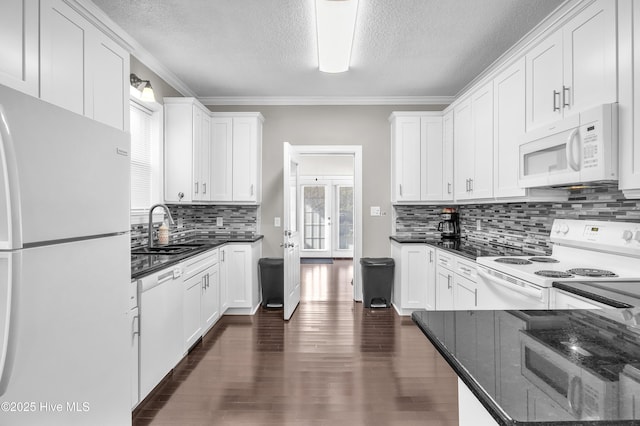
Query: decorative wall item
x=525, y=225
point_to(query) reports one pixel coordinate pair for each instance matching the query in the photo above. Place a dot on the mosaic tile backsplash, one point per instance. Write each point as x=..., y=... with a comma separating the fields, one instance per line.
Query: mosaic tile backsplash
x=199, y=221
x=525, y=225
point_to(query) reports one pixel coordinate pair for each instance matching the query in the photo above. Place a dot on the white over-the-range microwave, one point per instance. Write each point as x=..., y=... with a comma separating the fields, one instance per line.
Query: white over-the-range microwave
x=580, y=149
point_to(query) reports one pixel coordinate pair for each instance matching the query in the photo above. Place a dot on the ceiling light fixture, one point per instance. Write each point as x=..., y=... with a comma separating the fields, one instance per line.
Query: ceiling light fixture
x=335, y=26
x=143, y=86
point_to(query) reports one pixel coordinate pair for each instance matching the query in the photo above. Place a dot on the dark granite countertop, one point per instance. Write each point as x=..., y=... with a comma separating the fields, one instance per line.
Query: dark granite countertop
x=144, y=264
x=524, y=366
x=471, y=249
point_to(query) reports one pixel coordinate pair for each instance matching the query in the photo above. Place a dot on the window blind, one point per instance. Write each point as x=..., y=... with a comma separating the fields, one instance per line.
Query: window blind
x=141, y=170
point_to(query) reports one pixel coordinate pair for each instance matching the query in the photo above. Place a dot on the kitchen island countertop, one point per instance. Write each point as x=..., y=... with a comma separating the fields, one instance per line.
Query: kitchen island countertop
x=144, y=264
x=578, y=367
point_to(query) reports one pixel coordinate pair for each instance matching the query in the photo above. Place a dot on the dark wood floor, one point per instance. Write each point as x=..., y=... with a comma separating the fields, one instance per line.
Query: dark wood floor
x=333, y=363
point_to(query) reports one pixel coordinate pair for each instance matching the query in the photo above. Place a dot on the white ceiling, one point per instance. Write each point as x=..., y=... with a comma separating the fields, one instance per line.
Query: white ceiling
x=267, y=48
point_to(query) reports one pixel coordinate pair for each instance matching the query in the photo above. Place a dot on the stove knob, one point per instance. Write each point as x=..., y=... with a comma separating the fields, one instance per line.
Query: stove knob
x=564, y=228
x=627, y=235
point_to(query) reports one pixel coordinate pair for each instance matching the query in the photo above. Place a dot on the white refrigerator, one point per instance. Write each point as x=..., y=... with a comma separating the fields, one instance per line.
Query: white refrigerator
x=64, y=267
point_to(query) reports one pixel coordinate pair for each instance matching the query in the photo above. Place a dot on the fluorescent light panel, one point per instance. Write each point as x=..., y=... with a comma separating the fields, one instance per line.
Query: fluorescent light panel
x=335, y=24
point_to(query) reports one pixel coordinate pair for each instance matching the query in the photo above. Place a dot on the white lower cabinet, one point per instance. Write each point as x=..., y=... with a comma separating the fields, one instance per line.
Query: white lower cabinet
x=465, y=286
x=444, y=280
x=411, y=277
x=239, y=277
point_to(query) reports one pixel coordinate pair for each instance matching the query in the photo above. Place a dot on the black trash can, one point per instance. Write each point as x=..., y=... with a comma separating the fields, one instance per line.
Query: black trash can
x=271, y=278
x=377, y=281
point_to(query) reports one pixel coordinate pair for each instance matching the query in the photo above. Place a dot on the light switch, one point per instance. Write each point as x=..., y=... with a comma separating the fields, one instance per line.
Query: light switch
x=375, y=210
x=219, y=221
x=276, y=222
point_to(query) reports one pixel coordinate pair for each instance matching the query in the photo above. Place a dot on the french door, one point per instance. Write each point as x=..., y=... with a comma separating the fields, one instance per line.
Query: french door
x=327, y=217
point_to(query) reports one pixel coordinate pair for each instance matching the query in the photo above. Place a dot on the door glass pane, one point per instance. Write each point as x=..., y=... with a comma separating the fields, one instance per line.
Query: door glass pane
x=293, y=202
x=345, y=232
x=314, y=217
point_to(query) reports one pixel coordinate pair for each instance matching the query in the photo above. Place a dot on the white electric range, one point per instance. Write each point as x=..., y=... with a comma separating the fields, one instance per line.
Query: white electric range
x=583, y=250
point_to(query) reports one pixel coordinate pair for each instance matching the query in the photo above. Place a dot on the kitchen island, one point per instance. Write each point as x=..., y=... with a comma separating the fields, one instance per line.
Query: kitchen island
x=542, y=367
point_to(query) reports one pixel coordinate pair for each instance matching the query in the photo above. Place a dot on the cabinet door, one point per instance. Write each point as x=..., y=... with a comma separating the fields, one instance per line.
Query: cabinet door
x=544, y=82
x=224, y=279
x=447, y=157
x=444, y=289
x=414, y=276
x=191, y=314
x=481, y=184
x=511, y=385
x=463, y=149
x=178, y=150
x=245, y=159
x=211, y=297
x=19, y=45
x=239, y=275
x=108, y=82
x=63, y=37
x=432, y=170
x=590, y=58
x=221, y=159
x=201, y=155
x=431, y=279
x=196, y=158
x=466, y=293
x=509, y=119
x=629, y=111
x=407, y=156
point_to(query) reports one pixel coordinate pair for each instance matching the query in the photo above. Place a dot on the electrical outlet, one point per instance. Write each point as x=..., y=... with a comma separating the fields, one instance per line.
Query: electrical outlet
x=276, y=222
x=219, y=221
x=375, y=211
x=478, y=225
x=180, y=223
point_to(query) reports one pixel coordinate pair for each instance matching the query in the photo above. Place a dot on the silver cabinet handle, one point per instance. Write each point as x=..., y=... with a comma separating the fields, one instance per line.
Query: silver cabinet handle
x=204, y=188
x=448, y=187
x=400, y=189
x=252, y=189
x=556, y=95
x=565, y=96
x=475, y=293
x=470, y=185
x=448, y=281
x=136, y=325
x=430, y=257
x=196, y=188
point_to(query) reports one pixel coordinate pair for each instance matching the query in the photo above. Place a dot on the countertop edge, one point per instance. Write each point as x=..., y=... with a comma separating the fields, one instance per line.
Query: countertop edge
x=180, y=258
x=487, y=402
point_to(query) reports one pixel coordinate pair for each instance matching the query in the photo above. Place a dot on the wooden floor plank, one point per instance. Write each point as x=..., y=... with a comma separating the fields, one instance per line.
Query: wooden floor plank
x=333, y=363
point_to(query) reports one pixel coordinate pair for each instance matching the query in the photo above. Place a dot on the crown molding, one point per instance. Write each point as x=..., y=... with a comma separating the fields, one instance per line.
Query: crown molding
x=96, y=16
x=326, y=100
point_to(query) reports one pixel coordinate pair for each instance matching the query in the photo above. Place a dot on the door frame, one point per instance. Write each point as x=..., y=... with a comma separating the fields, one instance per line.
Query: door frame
x=356, y=152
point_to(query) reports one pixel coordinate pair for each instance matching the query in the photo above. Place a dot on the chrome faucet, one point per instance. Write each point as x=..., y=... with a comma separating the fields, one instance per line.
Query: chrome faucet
x=166, y=209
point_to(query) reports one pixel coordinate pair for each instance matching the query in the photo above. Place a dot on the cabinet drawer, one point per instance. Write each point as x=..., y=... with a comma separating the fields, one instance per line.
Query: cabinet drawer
x=200, y=262
x=445, y=259
x=466, y=269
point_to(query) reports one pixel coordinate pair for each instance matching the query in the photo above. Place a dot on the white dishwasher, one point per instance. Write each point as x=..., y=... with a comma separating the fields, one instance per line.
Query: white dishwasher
x=160, y=302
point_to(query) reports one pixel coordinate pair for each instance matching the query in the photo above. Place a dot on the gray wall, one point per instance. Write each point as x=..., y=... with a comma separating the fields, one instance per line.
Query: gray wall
x=367, y=126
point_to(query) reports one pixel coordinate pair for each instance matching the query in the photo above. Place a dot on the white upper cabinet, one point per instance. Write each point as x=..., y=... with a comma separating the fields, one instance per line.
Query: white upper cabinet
x=81, y=69
x=405, y=158
x=19, y=45
x=417, y=166
x=509, y=124
x=473, y=145
x=447, y=156
x=187, y=140
x=236, y=157
x=574, y=68
x=629, y=110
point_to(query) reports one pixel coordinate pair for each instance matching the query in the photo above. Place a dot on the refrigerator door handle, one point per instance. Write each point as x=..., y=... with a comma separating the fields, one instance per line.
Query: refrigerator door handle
x=10, y=266
x=10, y=218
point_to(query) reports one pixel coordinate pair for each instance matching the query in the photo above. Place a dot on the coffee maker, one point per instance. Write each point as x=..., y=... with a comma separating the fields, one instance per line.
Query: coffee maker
x=450, y=224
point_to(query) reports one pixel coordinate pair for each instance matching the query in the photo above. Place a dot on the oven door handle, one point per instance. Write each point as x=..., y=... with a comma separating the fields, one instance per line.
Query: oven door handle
x=511, y=286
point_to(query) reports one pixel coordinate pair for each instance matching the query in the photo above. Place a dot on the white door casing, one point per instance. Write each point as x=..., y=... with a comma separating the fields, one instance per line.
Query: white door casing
x=291, y=237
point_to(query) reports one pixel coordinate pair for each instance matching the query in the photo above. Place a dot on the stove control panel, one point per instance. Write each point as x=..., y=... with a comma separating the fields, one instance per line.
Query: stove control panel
x=598, y=235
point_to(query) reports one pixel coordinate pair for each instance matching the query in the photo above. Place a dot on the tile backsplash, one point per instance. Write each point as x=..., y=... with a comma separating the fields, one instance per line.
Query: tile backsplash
x=199, y=221
x=525, y=225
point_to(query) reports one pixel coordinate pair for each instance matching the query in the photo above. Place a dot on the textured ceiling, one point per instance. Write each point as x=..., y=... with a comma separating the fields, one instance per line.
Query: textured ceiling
x=259, y=48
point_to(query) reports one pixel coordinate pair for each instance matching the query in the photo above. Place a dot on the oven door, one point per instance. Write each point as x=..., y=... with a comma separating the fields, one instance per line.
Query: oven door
x=500, y=291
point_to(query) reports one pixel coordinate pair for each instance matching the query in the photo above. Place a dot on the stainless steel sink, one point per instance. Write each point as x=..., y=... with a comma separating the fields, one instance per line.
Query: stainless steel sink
x=171, y=249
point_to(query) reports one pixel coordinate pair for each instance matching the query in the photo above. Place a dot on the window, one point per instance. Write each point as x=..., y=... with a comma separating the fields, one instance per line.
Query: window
x=146, y=157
